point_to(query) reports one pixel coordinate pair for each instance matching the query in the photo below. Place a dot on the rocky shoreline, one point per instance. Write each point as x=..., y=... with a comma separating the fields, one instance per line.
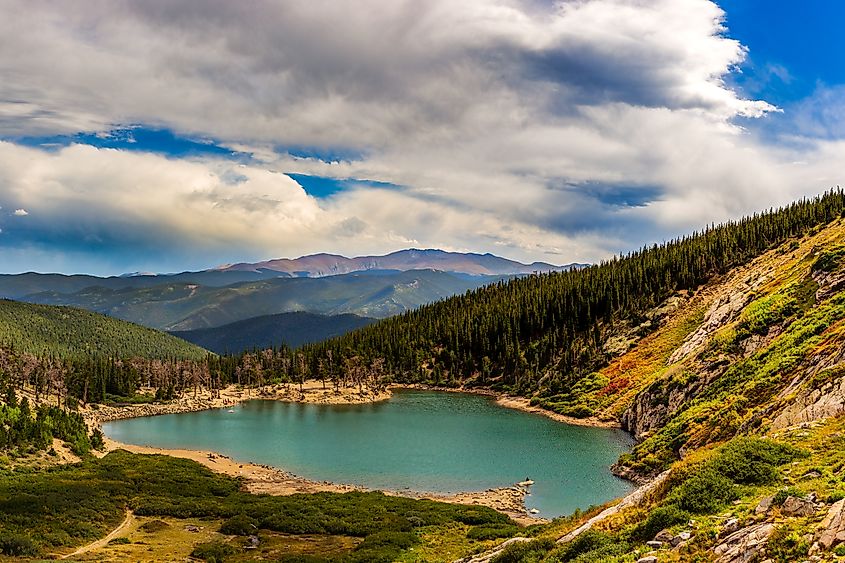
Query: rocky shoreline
x=312, y=392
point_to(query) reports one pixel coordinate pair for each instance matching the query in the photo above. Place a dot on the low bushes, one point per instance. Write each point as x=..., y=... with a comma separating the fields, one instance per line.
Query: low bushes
x=492, y=531
x=213, y=552
x=70, y=505
x=742, y=461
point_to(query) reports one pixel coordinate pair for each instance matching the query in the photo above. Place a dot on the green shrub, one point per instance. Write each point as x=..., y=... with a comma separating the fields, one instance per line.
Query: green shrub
x=18, y=545
x=525, y=552
x=781, y=496
x=492, y=531
x=97, y=441
x=301, y=558
x=120, y=541
x=578, y=411
x=659, y=519
x=213, y=552
x=389, y=540
x=239, y=525
x=705, y=492
x=753, y=461
x=830, y=260
x=154, y=526
x=835, y=496
x=591, y=546
x=787, y=544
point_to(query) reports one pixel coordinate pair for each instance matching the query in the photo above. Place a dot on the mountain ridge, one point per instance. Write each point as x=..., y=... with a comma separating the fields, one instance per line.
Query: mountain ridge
x=291, y=329
x=326, y=264
x=188, y=306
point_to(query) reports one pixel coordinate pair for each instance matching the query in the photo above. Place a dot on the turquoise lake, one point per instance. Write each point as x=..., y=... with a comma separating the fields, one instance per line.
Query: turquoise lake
x=417, y=440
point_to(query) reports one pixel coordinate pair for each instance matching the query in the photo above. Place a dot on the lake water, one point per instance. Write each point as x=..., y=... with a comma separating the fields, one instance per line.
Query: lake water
x=418, y=440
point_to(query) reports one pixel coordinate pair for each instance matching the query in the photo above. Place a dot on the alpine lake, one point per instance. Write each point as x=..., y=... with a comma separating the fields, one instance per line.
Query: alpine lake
x=418, y=440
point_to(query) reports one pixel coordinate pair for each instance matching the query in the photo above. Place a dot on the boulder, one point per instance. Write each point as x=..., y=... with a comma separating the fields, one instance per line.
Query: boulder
x=654, y=544
x=795, y=506
x=744, y=545
x=731, y=526
x=664, y=536
x=764, y=505
x=680, y=538
x=832, y=528
x=647, y=559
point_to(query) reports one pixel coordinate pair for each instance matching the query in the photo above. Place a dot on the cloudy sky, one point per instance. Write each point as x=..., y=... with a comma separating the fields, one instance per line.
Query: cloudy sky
x=162, y=136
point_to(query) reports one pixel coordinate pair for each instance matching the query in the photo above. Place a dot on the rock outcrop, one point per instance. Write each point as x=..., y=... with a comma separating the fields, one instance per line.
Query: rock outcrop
x=721, y=312
x=744, y=545
x=830, y=283
x=813, y=404
x=832, y=529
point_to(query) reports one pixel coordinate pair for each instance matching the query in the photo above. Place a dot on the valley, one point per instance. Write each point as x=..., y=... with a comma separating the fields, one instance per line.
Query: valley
x=731, y=389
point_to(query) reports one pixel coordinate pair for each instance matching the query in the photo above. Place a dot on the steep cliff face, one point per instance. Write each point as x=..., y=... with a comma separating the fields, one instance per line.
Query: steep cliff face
x=767, y=354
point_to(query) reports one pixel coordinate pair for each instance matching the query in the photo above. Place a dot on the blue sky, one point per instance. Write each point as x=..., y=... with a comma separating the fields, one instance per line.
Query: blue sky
x=793, y=47
x=170, y=137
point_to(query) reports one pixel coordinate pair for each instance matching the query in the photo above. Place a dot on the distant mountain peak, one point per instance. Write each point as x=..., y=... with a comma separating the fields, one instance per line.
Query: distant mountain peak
x=324, y=264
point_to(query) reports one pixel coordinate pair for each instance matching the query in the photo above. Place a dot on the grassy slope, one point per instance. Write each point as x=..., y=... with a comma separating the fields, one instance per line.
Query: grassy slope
x=69, y=332
x=726, y=389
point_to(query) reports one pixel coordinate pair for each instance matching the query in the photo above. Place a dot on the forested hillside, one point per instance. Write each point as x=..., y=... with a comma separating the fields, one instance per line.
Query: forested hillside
x=273, y=331
x=66, y=332
x=546, y=332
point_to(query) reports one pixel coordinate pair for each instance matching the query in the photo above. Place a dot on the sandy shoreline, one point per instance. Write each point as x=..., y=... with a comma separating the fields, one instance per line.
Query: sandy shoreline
x=263, y=479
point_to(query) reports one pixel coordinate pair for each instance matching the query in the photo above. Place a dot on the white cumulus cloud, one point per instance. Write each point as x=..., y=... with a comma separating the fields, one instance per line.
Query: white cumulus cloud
x=558, y=131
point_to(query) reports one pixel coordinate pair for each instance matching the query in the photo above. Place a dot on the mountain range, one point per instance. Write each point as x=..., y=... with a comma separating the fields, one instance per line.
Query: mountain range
x=320, y=265
x=188, y=306
x=323, y=284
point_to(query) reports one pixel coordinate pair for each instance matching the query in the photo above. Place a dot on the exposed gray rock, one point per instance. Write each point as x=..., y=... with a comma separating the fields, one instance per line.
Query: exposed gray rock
x=654, y=544
x=732, y=525
x=721, y=312
x=744, y=545
x=664, y=536
x=830, y=283
x=832, y=528
x=813, y=404
x=764, y=505
x=795, y=506
x=647, y=559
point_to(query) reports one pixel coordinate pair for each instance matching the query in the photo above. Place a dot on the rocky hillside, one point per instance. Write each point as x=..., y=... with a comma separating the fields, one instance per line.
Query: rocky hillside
x=736, y=396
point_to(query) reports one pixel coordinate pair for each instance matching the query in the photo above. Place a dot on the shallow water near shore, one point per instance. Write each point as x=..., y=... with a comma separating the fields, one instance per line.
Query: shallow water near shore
x=418, y=440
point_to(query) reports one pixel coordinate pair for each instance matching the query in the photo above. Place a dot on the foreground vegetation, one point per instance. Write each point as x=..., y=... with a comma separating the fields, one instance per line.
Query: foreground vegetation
x=708, y=497
x=45, y=511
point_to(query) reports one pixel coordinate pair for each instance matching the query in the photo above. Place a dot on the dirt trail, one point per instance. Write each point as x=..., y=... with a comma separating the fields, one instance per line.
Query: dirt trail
x=104, y=541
